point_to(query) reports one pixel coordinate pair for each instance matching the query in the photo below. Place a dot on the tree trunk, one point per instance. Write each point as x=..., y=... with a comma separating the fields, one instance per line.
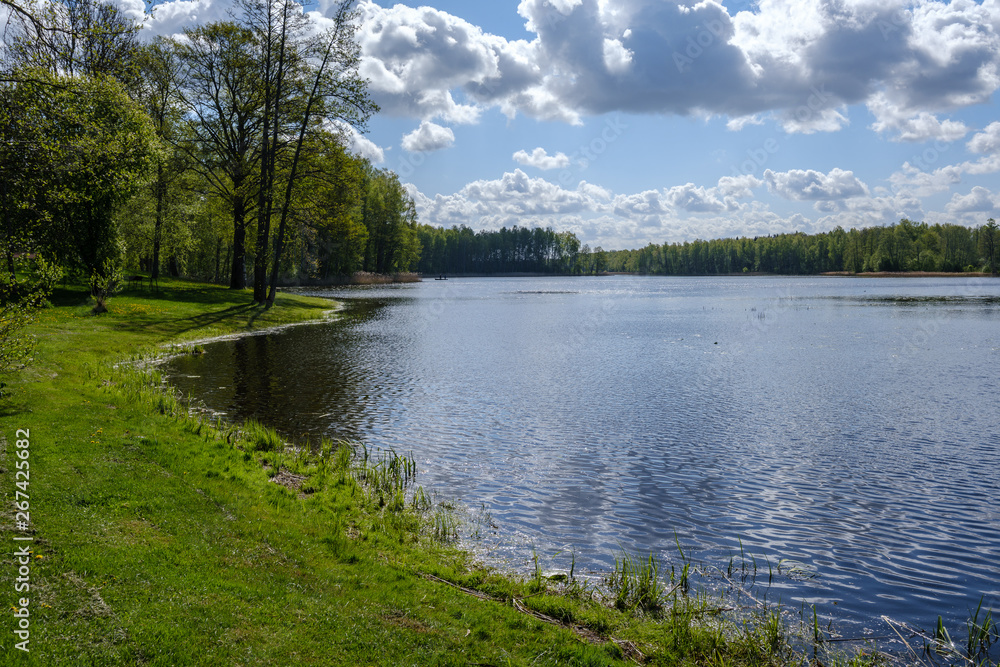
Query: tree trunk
x=161, y=195
x=218, y=258
x=260, y=260
x=269, y=148
x=238, y=276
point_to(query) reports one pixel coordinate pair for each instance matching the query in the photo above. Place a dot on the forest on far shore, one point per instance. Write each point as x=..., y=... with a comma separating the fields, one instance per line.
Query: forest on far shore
x=906, y=246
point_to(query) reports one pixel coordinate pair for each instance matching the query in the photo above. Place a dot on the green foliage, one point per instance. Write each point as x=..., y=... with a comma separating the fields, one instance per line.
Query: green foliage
x=20, y=300
x=329, y=203
x=160, y=214
x=989, y=243
x=518, y=249
x=15, y=344
x=388, y=213
x=906, y=246
x=76, y=37
x=72, y=152
x=104, y=282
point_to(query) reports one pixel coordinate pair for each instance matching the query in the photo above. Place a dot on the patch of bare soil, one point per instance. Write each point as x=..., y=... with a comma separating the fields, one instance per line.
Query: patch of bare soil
x=289, y=480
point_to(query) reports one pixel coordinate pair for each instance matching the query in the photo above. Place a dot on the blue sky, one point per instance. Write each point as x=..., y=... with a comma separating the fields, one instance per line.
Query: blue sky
x=637, y=121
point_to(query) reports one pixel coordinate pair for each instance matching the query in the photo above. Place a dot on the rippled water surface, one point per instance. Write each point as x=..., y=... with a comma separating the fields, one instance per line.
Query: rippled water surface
x=849, y=425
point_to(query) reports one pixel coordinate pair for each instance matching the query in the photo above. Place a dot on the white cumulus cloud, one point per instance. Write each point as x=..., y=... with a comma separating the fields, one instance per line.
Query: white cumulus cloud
x=690, y=197
x=811, y=185
x=616, y=57
x=920, y=182
x=987, y=141
x=540, y=159
x=416, y=57
x=738, y=186
x=170, y=18
x=428, y=137
x=979, y=200
x=923, y=126
x=516, y=193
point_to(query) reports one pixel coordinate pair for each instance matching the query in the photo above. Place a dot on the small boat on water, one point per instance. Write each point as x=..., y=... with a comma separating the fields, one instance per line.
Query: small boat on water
x=442, y=277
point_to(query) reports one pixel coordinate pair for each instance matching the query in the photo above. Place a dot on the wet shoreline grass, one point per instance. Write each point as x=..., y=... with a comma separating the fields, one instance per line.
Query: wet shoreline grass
x=162, y=537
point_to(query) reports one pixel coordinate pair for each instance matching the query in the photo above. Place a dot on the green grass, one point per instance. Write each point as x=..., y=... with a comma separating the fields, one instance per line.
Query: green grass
x=164, y=538
x=636, y=583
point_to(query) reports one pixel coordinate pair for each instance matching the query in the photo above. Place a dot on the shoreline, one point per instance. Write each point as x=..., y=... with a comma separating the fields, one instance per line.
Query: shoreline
x=748, y=274
x=181, y=348
x=908, y=274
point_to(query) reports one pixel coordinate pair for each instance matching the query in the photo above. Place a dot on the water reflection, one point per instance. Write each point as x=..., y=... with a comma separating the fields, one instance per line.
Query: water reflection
x=278, y=378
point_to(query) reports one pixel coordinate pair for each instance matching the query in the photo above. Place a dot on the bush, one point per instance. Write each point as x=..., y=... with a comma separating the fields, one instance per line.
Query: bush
x=19, y=301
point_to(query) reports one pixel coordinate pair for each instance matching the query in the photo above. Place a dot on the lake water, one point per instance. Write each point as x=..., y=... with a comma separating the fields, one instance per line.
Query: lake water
x=847, y=425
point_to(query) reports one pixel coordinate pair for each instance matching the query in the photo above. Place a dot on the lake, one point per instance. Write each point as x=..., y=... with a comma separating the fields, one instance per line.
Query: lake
x=845, y=427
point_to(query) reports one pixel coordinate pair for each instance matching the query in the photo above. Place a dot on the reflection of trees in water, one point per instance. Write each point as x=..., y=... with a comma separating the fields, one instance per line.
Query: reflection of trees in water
x=303, y=381
x=252, y=380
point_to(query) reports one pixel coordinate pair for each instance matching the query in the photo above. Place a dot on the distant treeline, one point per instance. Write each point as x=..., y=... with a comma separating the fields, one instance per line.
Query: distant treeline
x=514, y=250
x=906, y=246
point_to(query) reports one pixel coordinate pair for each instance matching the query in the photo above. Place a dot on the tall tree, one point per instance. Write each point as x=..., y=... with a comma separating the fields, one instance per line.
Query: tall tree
x=327, y=204
x=337, y=93
x=389, y=215
x=223, y=101
x=156, y=90
x=279, y=27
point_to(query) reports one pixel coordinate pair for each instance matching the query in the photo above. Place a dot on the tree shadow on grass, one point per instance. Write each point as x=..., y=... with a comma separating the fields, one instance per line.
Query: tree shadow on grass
x=176, y=289
x=173, y=289
x=13, y=403
x=182, y=325
x=69, y=296
x=234, y=307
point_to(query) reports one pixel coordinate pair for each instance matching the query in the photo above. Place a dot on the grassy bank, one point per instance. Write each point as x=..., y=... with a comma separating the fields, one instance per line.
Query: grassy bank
x=162, y=539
